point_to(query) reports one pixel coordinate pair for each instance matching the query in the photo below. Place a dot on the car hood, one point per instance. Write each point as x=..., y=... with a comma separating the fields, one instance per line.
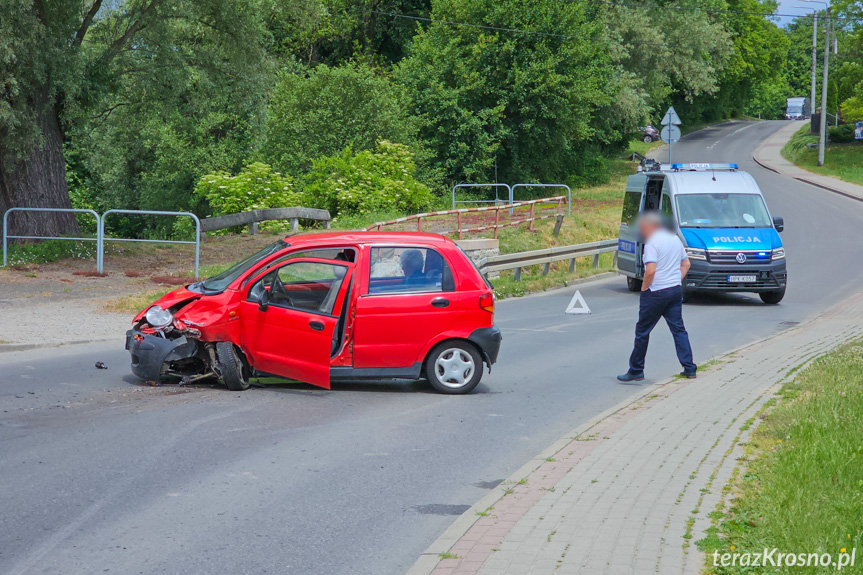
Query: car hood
x=176, y=298
x=732, y=238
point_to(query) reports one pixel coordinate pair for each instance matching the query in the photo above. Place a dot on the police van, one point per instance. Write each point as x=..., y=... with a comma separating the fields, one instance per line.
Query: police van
x=720, y=215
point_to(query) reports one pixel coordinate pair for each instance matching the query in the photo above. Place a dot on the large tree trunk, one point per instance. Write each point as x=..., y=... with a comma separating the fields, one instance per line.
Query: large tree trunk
x=37, y=180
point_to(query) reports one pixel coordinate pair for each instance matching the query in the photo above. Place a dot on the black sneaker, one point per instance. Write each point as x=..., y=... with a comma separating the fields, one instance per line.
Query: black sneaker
x=688, y=375
x=627, y=377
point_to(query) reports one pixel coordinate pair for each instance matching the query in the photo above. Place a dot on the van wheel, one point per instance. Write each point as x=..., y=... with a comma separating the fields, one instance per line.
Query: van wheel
x=633, y=284
x=233, y=369
x=772, y=297
x=454, y=368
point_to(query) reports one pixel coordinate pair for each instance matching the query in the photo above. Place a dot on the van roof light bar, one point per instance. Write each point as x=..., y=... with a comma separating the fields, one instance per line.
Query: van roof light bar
x=702, y=167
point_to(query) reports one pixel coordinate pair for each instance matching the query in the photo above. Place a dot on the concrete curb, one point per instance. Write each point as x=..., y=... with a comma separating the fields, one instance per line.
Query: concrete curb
x=430, y=558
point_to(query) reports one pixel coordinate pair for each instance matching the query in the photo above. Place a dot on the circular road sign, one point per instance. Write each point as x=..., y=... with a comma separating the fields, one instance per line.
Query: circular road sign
x=670, y=134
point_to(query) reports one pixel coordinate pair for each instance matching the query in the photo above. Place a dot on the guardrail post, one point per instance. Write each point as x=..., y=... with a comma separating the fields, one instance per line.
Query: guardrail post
x=516, y=274
x=545, y=267
x=253, y=229
x=614, y=259
x=596, y=261
x=558, y=222
x=295, y=225
x=572, y=266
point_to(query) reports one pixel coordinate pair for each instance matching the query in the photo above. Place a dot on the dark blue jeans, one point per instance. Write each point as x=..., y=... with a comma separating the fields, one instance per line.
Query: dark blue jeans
x=667, y=303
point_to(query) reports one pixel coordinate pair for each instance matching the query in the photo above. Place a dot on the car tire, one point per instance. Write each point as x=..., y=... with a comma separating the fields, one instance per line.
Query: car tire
x=454, y=367
x=647, y=140
x=772, y=297
x=633, y=284
x=234, y=371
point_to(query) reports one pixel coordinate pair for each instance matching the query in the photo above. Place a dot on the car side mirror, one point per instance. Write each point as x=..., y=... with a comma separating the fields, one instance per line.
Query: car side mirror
x=264, y=302
x=779, y=224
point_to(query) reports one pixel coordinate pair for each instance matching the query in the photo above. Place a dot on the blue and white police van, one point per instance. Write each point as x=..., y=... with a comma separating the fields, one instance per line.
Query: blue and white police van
x=720, y=215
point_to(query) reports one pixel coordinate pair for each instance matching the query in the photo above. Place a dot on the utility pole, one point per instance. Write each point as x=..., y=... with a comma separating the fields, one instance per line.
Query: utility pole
x=822, y=141
x=814, y=61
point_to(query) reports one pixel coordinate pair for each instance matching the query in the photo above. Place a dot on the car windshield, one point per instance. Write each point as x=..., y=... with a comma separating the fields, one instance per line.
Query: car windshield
x=795, y=109
x=722, y=211
x=219, y=282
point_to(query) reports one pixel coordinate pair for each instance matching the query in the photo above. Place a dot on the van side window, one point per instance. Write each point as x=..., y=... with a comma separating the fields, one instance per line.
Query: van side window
x=631, y=203
x=408, y=270
x=666, y=206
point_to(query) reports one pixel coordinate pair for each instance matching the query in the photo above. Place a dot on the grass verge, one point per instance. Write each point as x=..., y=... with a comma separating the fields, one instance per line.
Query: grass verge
x=134, y=303
x=800, y=489
x=842, y=161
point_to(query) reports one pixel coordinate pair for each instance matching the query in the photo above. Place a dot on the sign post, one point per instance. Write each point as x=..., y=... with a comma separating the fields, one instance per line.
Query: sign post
x=670, y=129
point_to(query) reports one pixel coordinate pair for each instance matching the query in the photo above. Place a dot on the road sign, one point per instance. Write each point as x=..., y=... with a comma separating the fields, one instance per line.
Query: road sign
x=671, y=118
x=858, y=130
x=670, y=134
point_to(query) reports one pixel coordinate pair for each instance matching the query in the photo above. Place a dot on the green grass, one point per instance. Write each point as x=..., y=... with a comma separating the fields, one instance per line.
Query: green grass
x=801, y=488
x=50, y=251
x=842, y=161
x=136, y=302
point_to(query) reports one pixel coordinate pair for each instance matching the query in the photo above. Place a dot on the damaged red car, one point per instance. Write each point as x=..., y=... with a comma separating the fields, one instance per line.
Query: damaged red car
x=327, y=307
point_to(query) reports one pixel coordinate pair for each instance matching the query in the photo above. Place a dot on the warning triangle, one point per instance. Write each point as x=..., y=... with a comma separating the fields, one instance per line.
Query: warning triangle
x=577, y=305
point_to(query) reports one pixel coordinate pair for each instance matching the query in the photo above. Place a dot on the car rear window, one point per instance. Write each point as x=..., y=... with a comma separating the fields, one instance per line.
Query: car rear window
x=408, y=270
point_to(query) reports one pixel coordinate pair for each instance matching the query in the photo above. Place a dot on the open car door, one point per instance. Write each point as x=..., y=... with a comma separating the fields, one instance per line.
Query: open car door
x=290, y=317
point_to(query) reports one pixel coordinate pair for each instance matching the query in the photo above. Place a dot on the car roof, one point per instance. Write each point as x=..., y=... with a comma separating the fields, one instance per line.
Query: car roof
x=709, y=182
x=365, y=238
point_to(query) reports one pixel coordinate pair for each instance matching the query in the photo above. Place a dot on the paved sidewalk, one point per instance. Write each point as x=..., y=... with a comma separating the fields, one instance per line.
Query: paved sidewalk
x=629, y=493
x=768, y=156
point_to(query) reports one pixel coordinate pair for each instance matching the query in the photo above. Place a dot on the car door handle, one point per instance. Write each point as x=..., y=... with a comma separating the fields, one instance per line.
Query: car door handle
x=316, y=325
x=440, y=302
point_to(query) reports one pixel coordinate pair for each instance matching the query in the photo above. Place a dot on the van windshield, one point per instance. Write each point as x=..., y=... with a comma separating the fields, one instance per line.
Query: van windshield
x=795, y=109
x=219, y=282
x=722, y=211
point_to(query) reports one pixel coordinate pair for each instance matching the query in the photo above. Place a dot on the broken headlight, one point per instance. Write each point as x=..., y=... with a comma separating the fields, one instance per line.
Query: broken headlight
x=159, y=318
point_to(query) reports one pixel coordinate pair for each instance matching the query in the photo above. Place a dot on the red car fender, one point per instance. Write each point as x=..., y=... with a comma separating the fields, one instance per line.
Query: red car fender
x=461, y=334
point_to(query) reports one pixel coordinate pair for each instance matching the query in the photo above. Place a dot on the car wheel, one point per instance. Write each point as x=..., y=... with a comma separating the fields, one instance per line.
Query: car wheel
x=772, y=297
x=633, y=284
x=648, y=140
x=233, y=369
x=454, y=368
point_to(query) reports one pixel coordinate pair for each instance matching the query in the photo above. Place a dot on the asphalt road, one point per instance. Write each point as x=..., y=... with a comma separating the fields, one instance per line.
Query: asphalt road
x=102, y=475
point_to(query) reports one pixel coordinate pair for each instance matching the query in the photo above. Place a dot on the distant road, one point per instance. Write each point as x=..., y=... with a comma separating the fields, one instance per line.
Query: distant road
x=101, y=475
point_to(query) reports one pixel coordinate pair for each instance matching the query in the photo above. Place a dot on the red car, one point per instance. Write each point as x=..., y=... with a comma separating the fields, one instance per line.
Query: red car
x=327, y=307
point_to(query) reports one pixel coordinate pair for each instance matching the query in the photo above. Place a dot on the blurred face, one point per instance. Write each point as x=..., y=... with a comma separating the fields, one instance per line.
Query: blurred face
x=411, y=261
x=647, y=226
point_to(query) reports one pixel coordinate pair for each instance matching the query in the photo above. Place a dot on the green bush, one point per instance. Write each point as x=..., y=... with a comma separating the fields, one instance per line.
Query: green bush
x=840, y=134
x=370, y=181
x=257, y=186
x=325, y=110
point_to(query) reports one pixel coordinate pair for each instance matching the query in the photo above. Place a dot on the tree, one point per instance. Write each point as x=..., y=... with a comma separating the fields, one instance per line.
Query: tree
x=322, y=111
x=62, y=62
x=521, y=102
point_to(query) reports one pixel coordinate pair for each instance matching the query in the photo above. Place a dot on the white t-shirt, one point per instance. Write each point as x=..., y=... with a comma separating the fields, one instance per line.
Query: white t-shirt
x=666, y=251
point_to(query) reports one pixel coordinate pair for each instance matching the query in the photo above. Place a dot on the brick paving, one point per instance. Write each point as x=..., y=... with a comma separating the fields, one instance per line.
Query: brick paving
x=630, y=493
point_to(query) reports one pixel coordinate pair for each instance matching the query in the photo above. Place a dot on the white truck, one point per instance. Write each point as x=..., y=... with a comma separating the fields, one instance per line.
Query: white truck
x=797, y=108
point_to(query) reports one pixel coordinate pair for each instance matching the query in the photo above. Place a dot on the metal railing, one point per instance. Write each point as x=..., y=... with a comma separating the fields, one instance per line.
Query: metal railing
x=7, y=237
x=461, y=229
x=568, y=193
x=494, y=201
x=545, y=257
x=100, y=255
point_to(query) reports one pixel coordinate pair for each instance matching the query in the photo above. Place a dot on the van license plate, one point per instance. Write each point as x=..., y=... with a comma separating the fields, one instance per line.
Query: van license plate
x=742, y=279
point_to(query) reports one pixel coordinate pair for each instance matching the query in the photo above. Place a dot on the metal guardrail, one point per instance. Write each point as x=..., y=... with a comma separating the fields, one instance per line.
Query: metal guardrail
x=545, y=257
x=568, y=193
x=100, y=255
x=6, y=237
x=532, y=217
x=494, y=201
x=252, y=217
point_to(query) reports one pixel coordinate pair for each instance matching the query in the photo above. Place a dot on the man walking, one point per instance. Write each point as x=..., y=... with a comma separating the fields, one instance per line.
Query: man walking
x=665, y=266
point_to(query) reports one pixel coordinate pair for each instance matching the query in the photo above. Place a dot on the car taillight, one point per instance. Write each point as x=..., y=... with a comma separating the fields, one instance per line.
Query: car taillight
x=486, y=302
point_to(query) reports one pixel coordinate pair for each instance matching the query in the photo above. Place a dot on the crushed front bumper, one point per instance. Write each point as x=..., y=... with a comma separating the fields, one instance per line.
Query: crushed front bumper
x=151, y=354
x=705, y=276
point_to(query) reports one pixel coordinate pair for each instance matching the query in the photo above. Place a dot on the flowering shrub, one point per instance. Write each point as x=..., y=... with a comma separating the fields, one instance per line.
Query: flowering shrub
x=379, y=180
x=257, y=186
